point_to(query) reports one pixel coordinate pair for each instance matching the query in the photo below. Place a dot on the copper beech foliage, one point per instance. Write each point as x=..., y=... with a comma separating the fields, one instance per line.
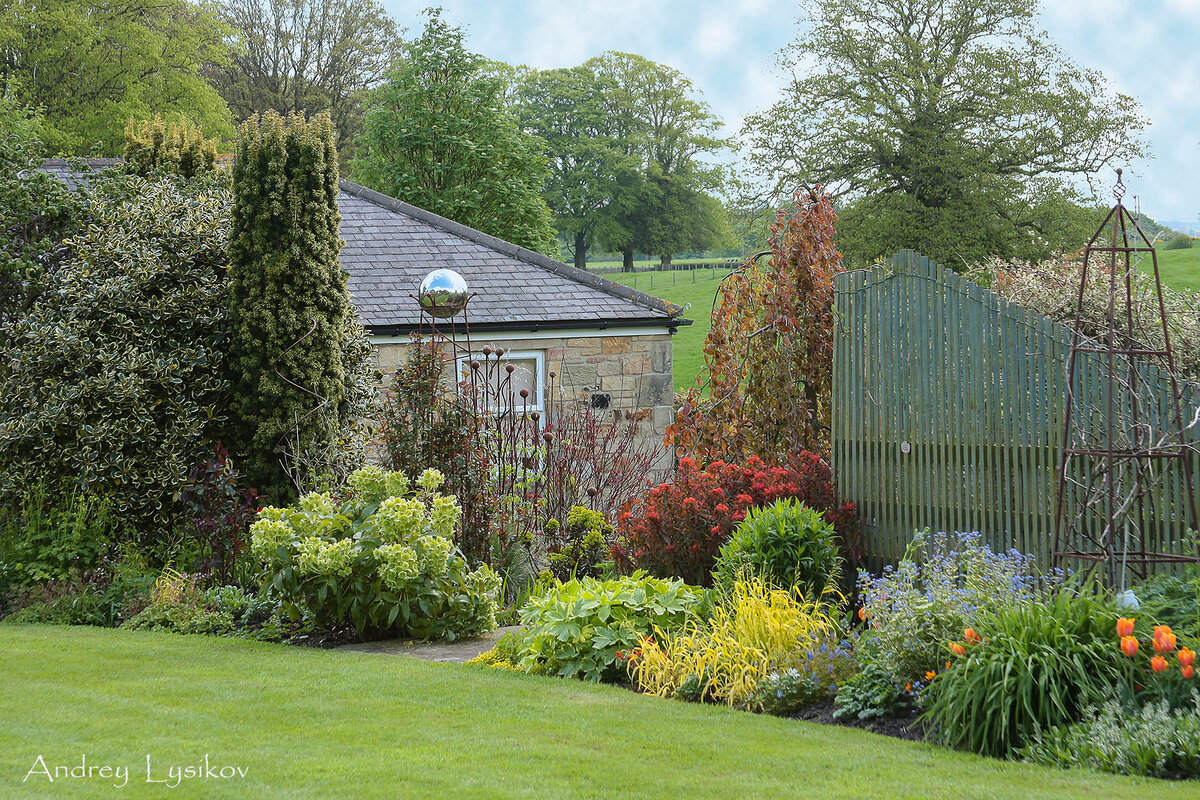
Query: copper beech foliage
x=766, y=386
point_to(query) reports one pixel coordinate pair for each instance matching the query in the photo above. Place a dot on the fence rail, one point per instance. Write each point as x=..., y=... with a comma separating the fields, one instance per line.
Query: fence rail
x=948, y=411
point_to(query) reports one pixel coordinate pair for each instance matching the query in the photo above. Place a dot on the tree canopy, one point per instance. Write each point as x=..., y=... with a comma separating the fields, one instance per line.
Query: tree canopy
x=310, y=56
x=438, y=135
x=954, y=128
x=90, y=67
x=595, y=173
x=668, y=128
x=37, y=213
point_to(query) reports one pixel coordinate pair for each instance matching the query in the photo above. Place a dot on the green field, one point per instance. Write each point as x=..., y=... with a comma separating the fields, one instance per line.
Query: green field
x=682, y=286
x=330, y=724
x=615, y=266
x=1180, y=269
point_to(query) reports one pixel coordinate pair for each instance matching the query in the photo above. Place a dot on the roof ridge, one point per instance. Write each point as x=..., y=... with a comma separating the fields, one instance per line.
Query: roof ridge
x=516, y=251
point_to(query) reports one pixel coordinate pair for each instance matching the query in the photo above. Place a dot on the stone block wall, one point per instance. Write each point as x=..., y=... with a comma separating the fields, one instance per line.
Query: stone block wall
x=634, y=371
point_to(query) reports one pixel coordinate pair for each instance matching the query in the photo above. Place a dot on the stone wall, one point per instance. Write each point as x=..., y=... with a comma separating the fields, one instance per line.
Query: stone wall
x=634, y=371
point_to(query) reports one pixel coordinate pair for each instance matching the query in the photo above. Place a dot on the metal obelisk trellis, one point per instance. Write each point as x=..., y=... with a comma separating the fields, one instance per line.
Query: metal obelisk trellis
x=1123, y=437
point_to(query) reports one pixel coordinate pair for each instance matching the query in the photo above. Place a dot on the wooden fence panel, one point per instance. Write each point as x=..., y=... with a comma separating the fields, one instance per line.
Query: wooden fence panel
x=948, y=411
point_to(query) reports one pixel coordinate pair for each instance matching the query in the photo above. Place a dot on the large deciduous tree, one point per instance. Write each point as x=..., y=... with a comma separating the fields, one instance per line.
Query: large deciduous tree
x=438, y=135
x=595, y=173
x=296, y=346
x=309, y=56
x=668, y=128
x=955, y=128
x=91, y=66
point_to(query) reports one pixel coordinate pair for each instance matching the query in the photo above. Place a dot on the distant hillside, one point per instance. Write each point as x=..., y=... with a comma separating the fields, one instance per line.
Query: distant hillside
x=1163, y=230
x=1190, y=228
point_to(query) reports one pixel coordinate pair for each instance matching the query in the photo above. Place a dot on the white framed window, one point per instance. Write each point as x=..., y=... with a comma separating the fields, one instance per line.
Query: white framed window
x=529, y=373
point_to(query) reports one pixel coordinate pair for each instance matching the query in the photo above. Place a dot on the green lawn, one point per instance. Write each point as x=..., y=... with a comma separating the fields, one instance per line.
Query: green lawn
x=1180, y=269
x=313, y=723
x=697, y=287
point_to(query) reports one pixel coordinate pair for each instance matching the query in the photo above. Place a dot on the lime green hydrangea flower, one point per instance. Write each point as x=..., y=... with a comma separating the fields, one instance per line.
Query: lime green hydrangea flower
x=444, y=515
x=370, y=483
x=400, y=520
x=315, y=556
x=484, y=580
x=266, y=534
x=274, y=513
x=396, y=485
x=431, y=479
x=399, y=566
x=320, y=504
x=434, y=551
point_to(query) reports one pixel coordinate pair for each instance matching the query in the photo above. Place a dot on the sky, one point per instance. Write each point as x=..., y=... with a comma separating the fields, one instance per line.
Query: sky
x=1149, y=49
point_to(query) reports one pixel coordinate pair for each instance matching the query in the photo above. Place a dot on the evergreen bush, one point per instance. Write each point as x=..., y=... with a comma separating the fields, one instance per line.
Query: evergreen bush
x=114, y=380
x=179, y=147
x=786, y=544
x=300, y=359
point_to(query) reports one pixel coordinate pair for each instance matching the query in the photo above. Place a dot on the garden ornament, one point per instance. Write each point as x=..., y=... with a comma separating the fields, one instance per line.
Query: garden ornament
x=443, y=293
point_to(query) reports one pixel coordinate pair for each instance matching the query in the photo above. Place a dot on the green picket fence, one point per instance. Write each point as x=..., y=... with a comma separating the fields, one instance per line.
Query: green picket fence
x=948, y=410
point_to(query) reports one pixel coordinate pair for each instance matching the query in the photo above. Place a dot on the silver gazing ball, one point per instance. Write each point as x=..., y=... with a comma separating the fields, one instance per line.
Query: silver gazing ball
x=443, y=293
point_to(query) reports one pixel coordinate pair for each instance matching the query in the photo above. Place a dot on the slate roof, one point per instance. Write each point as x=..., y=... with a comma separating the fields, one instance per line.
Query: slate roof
x=391, y=245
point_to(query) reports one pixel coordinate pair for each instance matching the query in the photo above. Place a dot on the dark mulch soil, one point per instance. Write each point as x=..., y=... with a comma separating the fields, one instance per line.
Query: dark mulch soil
x=908, y=727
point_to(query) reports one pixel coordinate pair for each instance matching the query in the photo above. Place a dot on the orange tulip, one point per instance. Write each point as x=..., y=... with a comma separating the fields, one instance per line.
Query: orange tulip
x=1186, y=656
x=1158, y=664
x=1124, y=627
x=862, y=613
x=958, y=649
x=930, y=675
x=1129, y=645
x=1164, y=640
x=971, y=636
x=1188, y=671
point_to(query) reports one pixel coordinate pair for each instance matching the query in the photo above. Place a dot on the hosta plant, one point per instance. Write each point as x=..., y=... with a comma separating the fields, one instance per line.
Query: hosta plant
x=383, y=559
x=585, y=628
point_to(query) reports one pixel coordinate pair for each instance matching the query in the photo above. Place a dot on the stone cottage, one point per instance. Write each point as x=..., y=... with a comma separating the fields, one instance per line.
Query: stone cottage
x=606, y=343
x=603, y=340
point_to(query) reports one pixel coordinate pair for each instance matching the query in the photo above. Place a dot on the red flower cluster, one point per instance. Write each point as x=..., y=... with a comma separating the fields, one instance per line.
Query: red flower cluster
x=678, y=528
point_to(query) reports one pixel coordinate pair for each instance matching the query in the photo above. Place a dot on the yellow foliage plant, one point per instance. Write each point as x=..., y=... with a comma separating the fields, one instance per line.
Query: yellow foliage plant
x=755, y=630
x=169, y=587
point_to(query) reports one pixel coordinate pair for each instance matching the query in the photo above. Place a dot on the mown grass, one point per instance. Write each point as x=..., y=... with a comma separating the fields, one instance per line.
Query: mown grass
x=312, y=723
x=1179, y=269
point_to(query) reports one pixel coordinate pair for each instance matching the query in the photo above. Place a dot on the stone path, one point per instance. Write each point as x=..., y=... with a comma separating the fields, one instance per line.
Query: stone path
x=451, y=652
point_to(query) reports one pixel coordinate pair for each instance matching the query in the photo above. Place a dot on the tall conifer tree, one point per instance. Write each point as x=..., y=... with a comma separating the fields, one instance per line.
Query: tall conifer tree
x=289, y=303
